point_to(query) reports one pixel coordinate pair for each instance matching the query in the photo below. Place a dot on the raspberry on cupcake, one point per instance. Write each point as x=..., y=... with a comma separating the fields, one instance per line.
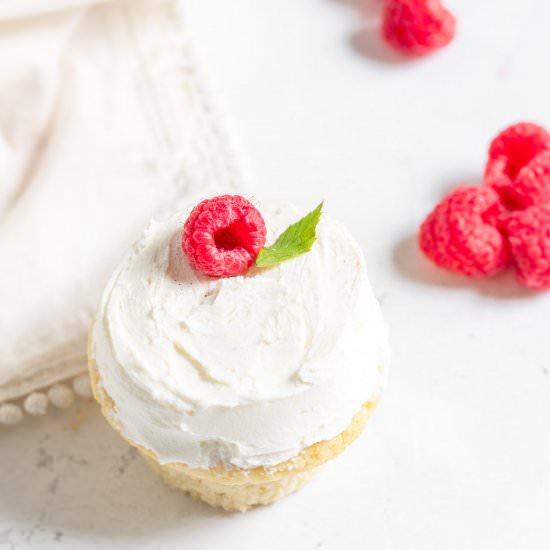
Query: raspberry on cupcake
x=223, y=236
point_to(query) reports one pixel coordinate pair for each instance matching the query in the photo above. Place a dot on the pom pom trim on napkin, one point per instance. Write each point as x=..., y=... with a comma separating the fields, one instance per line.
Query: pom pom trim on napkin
x=36, y=404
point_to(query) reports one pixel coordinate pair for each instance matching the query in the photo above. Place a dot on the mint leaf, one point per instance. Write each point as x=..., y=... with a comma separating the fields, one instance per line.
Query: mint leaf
x=295, y=240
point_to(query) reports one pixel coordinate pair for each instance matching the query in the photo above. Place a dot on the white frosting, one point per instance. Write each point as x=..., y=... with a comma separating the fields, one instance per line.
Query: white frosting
x=244, y=371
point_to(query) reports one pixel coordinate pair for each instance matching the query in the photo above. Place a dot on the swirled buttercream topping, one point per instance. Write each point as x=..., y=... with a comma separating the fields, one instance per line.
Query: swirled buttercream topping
x=244, y=371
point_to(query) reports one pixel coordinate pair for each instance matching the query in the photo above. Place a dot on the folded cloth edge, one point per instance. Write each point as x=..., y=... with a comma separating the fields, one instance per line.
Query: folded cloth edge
x=215, y=142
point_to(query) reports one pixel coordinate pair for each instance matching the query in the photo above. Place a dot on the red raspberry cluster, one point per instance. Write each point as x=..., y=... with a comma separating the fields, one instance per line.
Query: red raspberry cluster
x=417, y=27
x=480, y=231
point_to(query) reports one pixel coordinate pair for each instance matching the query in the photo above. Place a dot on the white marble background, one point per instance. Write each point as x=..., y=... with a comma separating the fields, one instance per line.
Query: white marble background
x=458, y=456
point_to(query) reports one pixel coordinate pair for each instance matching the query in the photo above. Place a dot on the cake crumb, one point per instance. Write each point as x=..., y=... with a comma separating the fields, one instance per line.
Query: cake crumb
x=80, y=417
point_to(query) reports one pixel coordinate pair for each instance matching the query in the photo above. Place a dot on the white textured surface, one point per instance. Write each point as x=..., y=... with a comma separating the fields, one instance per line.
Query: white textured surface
x=458, y=455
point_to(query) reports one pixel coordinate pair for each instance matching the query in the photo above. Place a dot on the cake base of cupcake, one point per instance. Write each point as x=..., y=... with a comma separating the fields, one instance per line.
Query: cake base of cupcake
x=237, y=490
x=240, y=489
x=232, y=498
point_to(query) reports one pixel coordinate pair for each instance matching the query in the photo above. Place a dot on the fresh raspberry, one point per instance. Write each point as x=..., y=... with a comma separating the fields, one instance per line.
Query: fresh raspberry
x=417, y=27
x=529, y=238
x=223, y=235
x=518, y=167
x=462, y=233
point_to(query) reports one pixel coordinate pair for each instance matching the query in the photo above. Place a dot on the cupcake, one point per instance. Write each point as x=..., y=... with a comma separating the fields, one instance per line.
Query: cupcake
x=238, y=369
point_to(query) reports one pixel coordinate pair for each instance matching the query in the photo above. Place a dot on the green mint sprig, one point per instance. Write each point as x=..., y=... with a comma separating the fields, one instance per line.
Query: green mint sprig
x=297, y=239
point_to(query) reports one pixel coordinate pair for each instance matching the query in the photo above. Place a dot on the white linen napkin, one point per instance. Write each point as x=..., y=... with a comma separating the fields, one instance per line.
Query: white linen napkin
x=103, y=124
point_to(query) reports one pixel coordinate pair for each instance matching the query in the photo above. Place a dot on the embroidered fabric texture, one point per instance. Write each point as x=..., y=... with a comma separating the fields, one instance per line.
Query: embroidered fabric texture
x=104, y=123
